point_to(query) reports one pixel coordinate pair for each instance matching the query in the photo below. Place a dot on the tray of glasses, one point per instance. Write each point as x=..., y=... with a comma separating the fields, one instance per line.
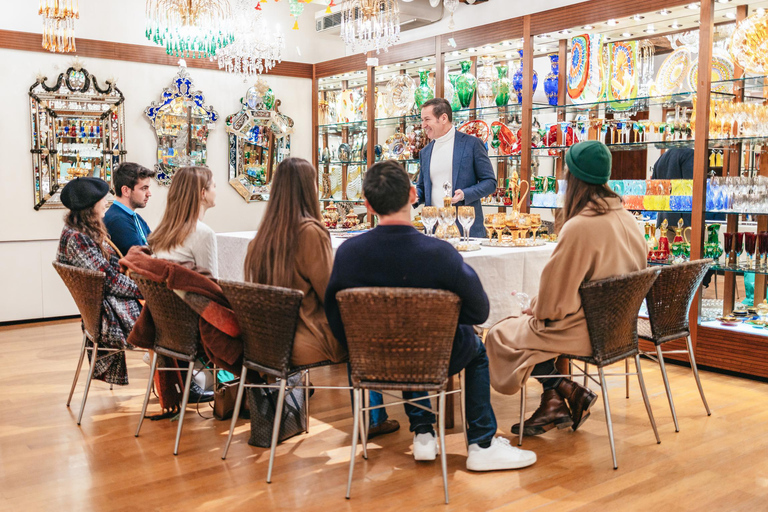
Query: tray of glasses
x=513, y=244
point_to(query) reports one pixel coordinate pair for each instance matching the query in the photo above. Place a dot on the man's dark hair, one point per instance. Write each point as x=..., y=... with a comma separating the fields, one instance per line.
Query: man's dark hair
x=386, y=187
x=439, y=106
x=128, y=174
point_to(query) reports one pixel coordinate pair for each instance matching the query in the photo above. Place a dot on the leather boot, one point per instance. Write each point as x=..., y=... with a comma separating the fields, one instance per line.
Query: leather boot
x=579, y=399
x=552, y=412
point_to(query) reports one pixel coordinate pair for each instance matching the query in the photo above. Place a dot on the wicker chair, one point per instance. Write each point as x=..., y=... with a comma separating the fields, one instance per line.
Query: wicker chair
x=611, y=306
x=87, y=289
x=400, y=339
x=669, y=301
x=268, y=316
x=177, y=335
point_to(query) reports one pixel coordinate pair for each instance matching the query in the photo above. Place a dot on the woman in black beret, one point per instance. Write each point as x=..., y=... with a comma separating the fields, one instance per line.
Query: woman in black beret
x=85, y=243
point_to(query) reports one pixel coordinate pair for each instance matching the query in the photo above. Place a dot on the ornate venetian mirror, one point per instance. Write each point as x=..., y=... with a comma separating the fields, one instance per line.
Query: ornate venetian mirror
x=259, y=139
x=77, y=130
x=181, y=121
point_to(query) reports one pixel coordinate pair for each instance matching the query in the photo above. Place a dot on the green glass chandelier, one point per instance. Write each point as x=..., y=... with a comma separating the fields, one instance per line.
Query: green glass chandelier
x=189, y=28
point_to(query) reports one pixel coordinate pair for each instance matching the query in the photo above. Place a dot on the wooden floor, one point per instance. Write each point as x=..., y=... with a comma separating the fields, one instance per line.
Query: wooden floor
x=49, y=463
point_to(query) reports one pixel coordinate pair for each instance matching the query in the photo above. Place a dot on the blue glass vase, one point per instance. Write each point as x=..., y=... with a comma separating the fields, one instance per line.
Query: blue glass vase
x=550, y=81
x=517, y=79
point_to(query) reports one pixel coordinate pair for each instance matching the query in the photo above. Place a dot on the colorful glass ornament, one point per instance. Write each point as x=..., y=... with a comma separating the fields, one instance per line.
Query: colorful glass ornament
x=423, y=92
x=466, y=84
x=502, y=85
x=551, y=80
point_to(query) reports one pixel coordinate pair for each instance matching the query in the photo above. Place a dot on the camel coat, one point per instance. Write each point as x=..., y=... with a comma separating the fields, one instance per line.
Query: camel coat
x=314, y=341
x=590, y=247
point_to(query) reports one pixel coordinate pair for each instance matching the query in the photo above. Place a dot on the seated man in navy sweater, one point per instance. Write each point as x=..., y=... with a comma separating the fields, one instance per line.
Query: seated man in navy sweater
x=126, y=227
x=396, y=254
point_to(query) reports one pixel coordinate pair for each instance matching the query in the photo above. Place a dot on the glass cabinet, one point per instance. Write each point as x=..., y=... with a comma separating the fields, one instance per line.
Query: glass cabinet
x=77, y=131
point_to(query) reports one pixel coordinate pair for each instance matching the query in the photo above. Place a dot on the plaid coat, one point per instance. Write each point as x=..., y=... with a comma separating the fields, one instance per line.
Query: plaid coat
x=121, y=305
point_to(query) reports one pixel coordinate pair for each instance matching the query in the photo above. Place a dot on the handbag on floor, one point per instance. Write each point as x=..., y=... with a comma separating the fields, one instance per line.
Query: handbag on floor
x=263, y=403
x=224, y=397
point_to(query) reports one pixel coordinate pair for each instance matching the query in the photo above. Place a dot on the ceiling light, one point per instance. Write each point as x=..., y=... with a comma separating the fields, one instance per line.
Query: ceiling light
x=425, y=59
x=398, y=65
x=587, y=27
x=723, y=1
x=471, y=50
x=59, y=24
x=626, y=34
x=510, y=43
x=760, y=11
x=664, y=12
x=650, y=30
x=730, y=15
x=509, y=55
x=675, y=24
x=365, y=28
x=611, y=23
x=385, y=67
x=188, y=30
x=692, y=6
x=540, y=36
x=565, y=32
x=636, y=17
x=456, y=53
x=411, y=62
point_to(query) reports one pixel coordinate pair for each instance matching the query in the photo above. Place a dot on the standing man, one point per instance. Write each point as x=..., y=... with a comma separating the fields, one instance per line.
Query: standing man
x=456, y=158
x=125, y=226
x=384, y=256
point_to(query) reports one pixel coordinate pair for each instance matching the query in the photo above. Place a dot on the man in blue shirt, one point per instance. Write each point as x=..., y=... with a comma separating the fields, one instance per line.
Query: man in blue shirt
x=126, y=227
x=396, y=254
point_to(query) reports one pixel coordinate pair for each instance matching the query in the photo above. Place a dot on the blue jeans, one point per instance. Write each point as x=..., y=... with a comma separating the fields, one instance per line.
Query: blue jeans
x=416, y=416
x=481, y=421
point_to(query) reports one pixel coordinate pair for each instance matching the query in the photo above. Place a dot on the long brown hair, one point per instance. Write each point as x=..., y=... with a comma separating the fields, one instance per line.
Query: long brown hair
x=89, y=223
x=182, y=210
x=580, y=194
x=271, y=257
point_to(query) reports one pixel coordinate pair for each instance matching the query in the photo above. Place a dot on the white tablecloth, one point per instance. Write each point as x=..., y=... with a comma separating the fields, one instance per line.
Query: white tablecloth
x=501, y=270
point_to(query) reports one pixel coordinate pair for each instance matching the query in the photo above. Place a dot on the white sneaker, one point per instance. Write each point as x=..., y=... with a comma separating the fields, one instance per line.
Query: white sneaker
x=500, y=455
x=424, y=447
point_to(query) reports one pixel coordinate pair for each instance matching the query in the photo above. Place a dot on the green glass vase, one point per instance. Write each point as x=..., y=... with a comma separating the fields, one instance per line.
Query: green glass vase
x=455, y=103
x=466, y=84
x=423, y=92
x=502, y=86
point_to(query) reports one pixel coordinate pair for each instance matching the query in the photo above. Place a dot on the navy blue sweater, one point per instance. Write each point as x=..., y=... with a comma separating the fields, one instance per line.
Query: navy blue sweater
x=122, y=228
x=400, y=256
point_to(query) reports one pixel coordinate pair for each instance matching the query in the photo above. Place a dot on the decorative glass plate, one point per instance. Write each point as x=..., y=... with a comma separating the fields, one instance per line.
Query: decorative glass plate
x=401, y=90
x=578, y=66
x=722, y=69
x=477, y=128
x=672, y=70
x=623, y=78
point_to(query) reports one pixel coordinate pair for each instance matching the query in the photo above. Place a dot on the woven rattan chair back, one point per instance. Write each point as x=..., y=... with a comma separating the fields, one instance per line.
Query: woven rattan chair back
x=611, y=306
x=177, y=326
x=268, y=316
x=670, y=297
x=87, y=289
x=399, y=336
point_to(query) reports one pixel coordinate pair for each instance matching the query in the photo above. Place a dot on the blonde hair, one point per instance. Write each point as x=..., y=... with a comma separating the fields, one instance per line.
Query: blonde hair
x=182, y=210
x=271, y=256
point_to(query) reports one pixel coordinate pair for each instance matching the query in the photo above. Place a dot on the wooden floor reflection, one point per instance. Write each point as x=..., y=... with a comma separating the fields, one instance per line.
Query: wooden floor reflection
x=49, y=463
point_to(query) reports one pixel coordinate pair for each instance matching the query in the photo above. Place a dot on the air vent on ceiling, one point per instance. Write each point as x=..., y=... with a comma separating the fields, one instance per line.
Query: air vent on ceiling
x=412, y=15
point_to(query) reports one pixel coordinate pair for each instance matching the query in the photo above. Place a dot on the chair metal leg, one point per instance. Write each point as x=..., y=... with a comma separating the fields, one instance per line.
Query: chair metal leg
x=663, y=367
x=276, y=428
x=184, y=400
x=355, y=425
x=608, y=422
x=645, y=398
x=696, y=374
x=306, y=401
x=236, y=412
x=79, y=367
x=586, y=373
x=152, y=369
x=463, y=406
x=94, y=354
x=626, y=370
x=522, y=416
x=441, y=430
x=365, y=420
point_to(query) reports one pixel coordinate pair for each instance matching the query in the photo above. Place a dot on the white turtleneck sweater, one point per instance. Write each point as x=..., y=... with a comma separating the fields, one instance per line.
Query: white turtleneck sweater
x=441, y=166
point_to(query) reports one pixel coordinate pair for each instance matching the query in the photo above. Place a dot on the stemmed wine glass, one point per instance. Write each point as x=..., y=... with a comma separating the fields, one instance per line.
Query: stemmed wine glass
x=762, y=249
x=448, y=215
x=499, y=223
x=429, y=218
x=535, y=219
x=738, y=245
x=488, y=224
x=749, y=242
x=727, y=246
x=466, y=219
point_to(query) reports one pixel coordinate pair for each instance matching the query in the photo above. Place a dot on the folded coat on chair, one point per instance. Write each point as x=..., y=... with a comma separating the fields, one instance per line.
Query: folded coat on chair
x=219, y=331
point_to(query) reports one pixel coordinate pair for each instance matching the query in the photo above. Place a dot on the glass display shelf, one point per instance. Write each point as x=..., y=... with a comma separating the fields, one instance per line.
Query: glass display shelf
x=733, y=212
x=340, y=162
x=661, y=144
x=748, y=83
x=337, y=127
x=349, y=201
x=464, y=114
x=640, y=103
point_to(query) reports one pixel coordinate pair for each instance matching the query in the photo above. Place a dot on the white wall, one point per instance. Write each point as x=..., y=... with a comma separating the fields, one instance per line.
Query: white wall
x=26, y=235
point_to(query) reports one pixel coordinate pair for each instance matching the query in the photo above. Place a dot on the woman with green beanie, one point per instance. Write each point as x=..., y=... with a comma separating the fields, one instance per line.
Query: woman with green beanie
x=598, y=239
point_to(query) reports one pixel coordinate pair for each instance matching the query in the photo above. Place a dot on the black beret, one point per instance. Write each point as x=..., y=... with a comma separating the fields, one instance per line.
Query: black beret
x=82, y=193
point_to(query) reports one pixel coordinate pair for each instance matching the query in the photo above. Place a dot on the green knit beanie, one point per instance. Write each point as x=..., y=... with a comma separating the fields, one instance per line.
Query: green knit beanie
x=590, y=161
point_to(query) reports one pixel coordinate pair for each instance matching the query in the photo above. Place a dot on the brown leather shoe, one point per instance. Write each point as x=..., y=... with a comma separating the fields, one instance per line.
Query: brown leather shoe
x=552, y=412
x=579, y=398
x=387, y=427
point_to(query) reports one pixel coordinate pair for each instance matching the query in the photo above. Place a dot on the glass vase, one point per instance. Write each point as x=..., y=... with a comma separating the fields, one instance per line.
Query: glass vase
x=485, y=82
x=502, y=86
x=455, y=102
x=466, y=84
x=423, y=92
x=517, y=79
x=550, y=81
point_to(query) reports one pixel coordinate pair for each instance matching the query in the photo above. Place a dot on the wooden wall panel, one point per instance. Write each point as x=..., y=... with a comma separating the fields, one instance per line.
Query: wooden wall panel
x=407, y=51
x=27, y=41
x=485, y=34
x=743, y=353
x=343, y=65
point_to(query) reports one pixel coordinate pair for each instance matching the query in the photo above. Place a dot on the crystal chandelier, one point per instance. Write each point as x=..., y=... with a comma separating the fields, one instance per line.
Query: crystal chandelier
x=368, y=25
x=254, y=49
x=59, y=24
x=189, y=28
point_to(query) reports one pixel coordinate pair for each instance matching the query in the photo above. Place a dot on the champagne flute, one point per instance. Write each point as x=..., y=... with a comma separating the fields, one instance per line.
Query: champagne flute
x=466, y=219
x=488, y=224
x=499, y=220
x=429, y=218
